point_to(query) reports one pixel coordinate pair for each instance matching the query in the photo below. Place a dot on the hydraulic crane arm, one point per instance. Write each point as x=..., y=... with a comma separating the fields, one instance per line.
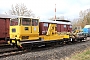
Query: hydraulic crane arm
x=51, y=29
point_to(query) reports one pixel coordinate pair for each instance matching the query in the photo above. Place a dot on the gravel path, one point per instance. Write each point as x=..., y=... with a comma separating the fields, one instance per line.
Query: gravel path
x=51, y=54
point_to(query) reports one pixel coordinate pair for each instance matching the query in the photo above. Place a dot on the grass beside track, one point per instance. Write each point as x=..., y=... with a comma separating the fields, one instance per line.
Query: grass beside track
x=85, y=55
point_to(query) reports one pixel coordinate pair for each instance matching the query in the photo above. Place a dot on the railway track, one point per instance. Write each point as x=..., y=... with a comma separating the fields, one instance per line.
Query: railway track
x=14, y=51
x=2, y=46
x=11, y=53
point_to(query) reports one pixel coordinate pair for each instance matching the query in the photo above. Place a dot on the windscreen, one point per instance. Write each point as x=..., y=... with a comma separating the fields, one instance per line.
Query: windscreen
x=26, y=21
x=34, y=22
x=14, y=22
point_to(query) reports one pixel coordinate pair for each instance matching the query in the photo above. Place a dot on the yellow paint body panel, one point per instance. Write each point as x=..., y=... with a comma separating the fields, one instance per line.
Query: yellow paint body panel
x=51, y=37
x=30, y=34
x=13, y=34
x=66, y=36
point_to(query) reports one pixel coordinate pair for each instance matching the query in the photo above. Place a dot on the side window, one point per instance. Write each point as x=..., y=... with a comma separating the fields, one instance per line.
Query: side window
x=45, y=24
x=14, y=22
x=34, y=22
x=70, y=26
x=64, y=26
x=26, y=22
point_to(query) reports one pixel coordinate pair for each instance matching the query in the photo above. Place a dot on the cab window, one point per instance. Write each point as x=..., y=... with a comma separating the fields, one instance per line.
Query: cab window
x=14, y=22
x=34, y=22
x=26, y=21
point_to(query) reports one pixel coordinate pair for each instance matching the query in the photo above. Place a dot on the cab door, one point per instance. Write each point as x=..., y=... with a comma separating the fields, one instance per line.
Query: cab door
x=26, y=26
x=35, y=26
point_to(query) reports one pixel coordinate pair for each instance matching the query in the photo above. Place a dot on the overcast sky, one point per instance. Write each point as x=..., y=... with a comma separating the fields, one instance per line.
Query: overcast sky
x=46, y=8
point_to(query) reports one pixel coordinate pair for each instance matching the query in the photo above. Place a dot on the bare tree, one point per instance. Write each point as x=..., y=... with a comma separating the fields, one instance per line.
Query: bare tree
x=20, y=10
x=84, y=18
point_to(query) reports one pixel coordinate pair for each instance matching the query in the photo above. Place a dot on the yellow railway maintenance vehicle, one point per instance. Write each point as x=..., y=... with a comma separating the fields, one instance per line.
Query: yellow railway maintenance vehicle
x=24, y=33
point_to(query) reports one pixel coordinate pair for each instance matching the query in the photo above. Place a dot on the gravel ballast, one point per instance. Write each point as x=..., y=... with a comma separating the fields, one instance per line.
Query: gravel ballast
x=51, y=54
